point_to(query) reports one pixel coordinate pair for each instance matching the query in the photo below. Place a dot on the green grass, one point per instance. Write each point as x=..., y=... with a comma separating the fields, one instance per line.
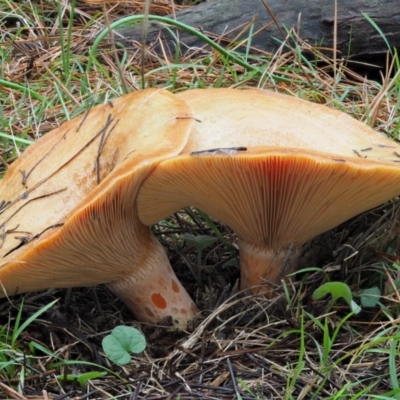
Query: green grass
x=291, y=347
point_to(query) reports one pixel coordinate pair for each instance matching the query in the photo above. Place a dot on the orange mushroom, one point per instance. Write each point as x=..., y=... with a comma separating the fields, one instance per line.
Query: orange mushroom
x=278, y=170
x=68, y=212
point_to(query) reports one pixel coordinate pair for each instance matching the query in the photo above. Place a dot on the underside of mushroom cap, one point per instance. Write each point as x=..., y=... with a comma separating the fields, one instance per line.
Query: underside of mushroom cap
x=269, y=195
x=69, y=214
x=104, y=242
x=273, y=199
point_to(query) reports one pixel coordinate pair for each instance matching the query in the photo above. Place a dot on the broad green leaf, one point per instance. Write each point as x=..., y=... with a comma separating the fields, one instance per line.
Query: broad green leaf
x=337, y=290
x=370, y=297
x=200, y=242
x=233, y=262
x=122, y=341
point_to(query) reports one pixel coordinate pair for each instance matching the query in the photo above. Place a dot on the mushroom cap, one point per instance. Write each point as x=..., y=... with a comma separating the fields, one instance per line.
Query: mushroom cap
x=278, y=170
x=252, y=117
x=68, y=204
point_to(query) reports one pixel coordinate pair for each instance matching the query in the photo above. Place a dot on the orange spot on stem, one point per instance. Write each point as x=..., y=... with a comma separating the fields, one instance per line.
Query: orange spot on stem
x=158, y=301
x=175, y=286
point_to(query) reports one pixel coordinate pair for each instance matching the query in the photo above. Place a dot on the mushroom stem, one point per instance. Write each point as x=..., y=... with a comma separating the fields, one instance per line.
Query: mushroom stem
x=261, y=265
x=157, y=295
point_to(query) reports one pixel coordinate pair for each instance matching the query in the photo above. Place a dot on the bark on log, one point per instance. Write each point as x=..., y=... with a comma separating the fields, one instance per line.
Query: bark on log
x=313, y=19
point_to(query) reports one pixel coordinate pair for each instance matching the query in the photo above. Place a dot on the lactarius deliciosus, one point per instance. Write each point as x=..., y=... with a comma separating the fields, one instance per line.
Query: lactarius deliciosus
x=278, y=170
x=68, y=206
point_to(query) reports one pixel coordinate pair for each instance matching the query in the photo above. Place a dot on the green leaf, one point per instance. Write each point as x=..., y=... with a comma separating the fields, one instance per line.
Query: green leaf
x=370, y=297
x=82, y=379
x=200, y=242
x=391, y=289
x=233, y=262
x=355, y=307
x=122, y=341
x=337, y=290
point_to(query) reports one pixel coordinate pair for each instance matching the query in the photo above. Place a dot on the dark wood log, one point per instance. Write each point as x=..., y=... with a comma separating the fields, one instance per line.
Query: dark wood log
x=313, y=19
